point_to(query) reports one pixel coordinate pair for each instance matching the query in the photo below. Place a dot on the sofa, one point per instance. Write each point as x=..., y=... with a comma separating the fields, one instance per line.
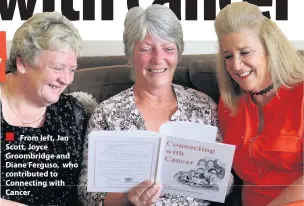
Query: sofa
x=106, y=76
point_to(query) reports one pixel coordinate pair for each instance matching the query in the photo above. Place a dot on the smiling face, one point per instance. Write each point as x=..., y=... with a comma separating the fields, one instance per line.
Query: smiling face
x=51, y=74
x=246, y=60
x=210, y=164
x=154, y=62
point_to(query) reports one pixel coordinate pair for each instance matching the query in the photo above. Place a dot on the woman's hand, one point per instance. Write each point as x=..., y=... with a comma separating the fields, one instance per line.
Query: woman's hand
x=144, y=194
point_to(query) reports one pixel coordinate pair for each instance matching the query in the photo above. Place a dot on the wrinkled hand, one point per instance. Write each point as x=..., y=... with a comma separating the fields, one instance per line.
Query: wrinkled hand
x=144, y=194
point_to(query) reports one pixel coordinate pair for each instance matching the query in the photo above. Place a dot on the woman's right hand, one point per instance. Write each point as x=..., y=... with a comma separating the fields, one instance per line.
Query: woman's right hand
x=144, y=194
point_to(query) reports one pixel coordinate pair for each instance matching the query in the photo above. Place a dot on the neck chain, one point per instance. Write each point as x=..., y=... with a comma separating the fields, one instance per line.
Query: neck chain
x=15, y=112
x=264, y=91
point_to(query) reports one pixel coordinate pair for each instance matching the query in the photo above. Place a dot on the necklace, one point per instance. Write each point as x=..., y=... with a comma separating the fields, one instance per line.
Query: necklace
x=15, y=112
x=264, y=91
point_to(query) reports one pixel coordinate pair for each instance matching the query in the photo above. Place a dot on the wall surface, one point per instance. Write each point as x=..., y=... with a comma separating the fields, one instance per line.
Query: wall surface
x=115, y=48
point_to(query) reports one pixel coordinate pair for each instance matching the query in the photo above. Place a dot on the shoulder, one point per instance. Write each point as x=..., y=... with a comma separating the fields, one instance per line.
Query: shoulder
x=83, y=100
x=242, y=102
x=224, y=114
x=69, y=100
x=287, y=98
x=223, y=110
x=68, y=103
x=226, y=118
x=112, y=110
x=117, y=101
x=296, y=90
x=1, y=89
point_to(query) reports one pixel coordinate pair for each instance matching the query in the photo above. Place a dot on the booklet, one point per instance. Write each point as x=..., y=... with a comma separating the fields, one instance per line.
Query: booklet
x=183, y=156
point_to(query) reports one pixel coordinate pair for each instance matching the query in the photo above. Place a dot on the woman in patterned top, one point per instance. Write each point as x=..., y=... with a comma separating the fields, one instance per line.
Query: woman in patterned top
x=153, y=40
x=34, y=112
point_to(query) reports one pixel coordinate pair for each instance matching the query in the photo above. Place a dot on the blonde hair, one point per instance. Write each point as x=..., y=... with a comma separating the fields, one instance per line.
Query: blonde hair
x=285, y=64
x=46, y=30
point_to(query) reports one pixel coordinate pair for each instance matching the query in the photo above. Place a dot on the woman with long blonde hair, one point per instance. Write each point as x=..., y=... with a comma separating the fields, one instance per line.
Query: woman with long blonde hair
x=260, y=77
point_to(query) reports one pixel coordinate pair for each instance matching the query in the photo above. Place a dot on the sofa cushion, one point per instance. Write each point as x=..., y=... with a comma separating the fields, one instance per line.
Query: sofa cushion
x=203, y=77
x=181, y=76
x=102, y=82
x=87, y=100
x=185, y=60
x=98, y=61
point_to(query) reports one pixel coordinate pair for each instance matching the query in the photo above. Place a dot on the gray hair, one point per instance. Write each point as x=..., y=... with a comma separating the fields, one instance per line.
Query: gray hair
x=157, y=20
x=284, y=63
x=44, y=31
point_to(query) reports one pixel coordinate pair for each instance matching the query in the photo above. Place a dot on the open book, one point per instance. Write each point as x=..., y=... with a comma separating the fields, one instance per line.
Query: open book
x=183, y=156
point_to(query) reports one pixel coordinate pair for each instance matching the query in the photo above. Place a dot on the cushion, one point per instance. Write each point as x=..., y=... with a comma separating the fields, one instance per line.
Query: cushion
x=106, y=81
x=87, y=100
x=98, y=61
x=103, y=82
x=186, y=59
x=181, y=76
x=203, y=77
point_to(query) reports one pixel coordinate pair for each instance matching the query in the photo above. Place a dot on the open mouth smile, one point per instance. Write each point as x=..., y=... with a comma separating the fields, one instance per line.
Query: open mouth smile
x=245, y=74
x=55, y=88
x=157, y=70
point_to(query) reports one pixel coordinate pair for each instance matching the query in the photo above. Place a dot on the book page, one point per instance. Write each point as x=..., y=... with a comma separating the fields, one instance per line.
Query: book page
x=119, y=160
x=189, y=130
x=197, y=169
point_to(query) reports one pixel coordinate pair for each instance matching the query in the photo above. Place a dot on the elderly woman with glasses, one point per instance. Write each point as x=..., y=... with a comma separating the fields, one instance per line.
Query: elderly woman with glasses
x=41, y=128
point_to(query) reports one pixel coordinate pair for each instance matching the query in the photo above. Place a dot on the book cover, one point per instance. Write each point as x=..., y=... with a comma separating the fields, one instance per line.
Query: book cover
x=192, y=165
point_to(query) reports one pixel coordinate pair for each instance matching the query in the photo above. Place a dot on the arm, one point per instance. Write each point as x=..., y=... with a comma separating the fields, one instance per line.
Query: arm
x=292, y=193
x=215, y=120
x=145, y=193
x=10, y=203
x=96, y=122
x=219, y=138
x=116, y=199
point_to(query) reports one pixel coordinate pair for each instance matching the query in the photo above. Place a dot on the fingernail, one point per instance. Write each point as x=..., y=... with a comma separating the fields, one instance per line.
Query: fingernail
x=148, y=182
x=160, y=187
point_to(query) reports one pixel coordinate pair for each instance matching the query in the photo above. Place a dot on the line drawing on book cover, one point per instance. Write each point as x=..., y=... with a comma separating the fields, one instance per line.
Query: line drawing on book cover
x=207, y=174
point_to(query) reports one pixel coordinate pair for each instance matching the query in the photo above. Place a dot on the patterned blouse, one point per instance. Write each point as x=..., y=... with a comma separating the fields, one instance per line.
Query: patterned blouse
x=120, y=113
x=66, y=118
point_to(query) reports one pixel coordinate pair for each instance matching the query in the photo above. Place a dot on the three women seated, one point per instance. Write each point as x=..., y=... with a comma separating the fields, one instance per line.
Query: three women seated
x=260, y=78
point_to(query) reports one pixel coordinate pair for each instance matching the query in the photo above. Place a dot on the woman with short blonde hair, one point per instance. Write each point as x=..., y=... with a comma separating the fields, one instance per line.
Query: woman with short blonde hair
x=42, y=62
